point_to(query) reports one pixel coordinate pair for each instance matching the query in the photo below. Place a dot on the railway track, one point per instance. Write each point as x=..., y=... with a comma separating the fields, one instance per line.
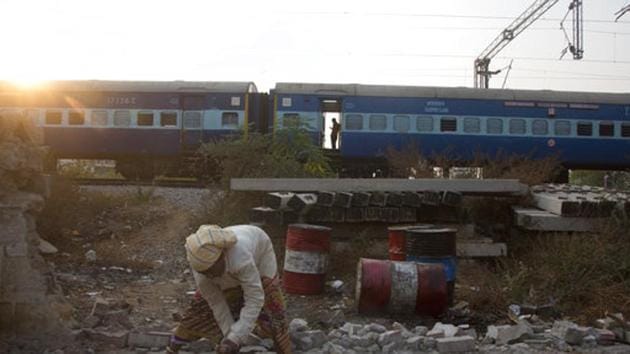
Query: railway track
x=174, y=183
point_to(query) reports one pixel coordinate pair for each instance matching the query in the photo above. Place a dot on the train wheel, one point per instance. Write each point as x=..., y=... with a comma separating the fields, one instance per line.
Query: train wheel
x=136, y=170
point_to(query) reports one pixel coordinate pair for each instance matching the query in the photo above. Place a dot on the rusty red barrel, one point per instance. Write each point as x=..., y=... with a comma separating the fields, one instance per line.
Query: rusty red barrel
x=397, y=240
x=306, y=259
x=398, y=287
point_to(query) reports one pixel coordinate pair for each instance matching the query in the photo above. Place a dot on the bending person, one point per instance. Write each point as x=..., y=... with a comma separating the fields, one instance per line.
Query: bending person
x=236, y=274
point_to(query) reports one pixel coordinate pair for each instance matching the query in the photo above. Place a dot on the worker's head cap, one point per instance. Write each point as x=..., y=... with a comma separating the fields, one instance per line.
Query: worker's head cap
x=204, y=247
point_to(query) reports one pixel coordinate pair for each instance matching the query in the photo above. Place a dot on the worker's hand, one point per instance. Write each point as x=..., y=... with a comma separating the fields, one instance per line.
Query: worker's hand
x=227, y=347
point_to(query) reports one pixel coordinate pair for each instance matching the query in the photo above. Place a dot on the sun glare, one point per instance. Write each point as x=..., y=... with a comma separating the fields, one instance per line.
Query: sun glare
x=27, y=83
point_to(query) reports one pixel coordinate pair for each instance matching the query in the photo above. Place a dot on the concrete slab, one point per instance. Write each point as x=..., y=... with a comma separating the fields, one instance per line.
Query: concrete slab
x=541, y=220
x=471, y=249
x=465, y=186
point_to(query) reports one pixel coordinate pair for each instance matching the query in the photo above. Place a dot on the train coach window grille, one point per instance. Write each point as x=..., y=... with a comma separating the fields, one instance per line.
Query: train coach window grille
x=122, y=118
x=354, y=122
x=448, y=124
x=494, y=126
x=192, y=120
x=606, y=129
x=472, y=125
x=53, y=118
x=584, y=129
x=145, y=119
x=76, y=118
x=424, y=124
x=377, y=122
x=562, y=127
x=401, y=124
x=168, y=119
x=625, y=130
x=540, y=127
x=99, y=118
x=517, y=126
x=229, y=120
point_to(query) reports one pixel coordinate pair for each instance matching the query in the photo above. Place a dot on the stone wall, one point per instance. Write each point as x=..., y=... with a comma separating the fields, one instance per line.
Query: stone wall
x=28, y=298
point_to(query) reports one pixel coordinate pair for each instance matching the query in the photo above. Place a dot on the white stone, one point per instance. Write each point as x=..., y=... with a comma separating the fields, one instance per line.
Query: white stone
x=318, y=337
x=298, y=325
x=447, y=329
x=350, y=328
x=46, y=247
x=508, y=334
x=90, y=256
x=560, y=328
x=456, y=344
x=389, y=337
x=420, y=330
x=414, y=343
x=375, y=327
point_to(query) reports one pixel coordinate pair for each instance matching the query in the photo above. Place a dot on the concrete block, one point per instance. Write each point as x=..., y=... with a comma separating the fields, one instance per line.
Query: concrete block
x=360, y=199
x=377, y=199
x=277, y=200
x=149, y=340
x=303, y=202
x=389, y=215
x=325, y=198
x=372, y=214
x=508, y=334
x=408, y=215
x=343, y=199
x=412, y=199
x=456, y=344
x=319, y=213
x=465, y=186
x=479, y=249
x=431, y=198
x=540, y=220
x=393, y=199
x=390, y=337
x=355, y=214
x=452, y=198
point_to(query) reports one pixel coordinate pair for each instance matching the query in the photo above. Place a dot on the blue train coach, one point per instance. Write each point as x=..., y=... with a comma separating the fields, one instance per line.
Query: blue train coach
x=144, y=126
x=584, y=130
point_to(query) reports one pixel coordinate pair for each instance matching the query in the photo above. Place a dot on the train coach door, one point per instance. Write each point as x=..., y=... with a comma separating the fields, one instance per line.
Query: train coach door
x=192, y=122
x=330, y=109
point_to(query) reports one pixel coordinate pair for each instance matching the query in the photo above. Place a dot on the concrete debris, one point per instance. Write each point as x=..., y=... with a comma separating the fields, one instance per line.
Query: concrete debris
x=456, y=344
x=46, y=247
x=90, y=256
x=149, y=340
x=508, y=334
x=298, y=325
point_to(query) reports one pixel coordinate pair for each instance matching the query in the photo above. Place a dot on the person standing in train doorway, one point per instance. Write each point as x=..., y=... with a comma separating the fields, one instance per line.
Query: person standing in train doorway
x=334, y=134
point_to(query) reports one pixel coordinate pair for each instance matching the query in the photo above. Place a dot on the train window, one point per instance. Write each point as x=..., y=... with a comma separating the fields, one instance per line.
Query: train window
x=424, y=124
x=448, y=124
x=585, y=128
x=99, y=118
x=145, y=119
x=229, y=119
x=168, y=119
x=53, y=117
x=401, y=124
x=291, y=120
x=539, y=127
x=625, y=130
x=517, y=126
x=192, y=120
x=562, y=127
x=606, y=129
x=76, y=118
x=472, y=125
x=122, y=118
x=377, y=122
x=494, y=126
x=354, y=122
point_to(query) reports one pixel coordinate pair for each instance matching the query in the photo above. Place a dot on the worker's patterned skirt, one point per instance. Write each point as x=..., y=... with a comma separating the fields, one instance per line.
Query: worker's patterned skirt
x=198, y=321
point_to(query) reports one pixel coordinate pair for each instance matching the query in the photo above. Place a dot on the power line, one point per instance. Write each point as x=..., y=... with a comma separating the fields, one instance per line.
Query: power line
x=394, y=14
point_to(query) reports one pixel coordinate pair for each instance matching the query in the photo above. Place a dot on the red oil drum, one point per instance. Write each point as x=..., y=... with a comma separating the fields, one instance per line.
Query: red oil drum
x=306, y=259
x=396, y=287
x=397, y=240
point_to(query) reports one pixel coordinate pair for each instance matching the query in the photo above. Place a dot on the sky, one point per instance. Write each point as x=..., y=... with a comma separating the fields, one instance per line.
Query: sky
x=395, y=42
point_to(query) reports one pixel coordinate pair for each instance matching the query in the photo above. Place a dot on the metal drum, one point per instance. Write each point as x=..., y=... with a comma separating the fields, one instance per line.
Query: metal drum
x=397, y=287
x=435, y=246
x=306, y=259
x=396, y=237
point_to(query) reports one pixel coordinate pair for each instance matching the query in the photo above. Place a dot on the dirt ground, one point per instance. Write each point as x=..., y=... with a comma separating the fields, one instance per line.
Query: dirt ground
x=141, y=269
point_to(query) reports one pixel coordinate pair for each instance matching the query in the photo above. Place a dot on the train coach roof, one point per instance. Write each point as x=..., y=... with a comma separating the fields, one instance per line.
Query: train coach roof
x=450, y=92
x=139, y=86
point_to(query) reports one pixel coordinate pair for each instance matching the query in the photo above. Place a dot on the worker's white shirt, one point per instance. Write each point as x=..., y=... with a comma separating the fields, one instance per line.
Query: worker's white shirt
x=251, y=258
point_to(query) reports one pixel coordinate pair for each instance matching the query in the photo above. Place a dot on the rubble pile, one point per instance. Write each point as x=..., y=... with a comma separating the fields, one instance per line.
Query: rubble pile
x=28, y=306
x=526, y=336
